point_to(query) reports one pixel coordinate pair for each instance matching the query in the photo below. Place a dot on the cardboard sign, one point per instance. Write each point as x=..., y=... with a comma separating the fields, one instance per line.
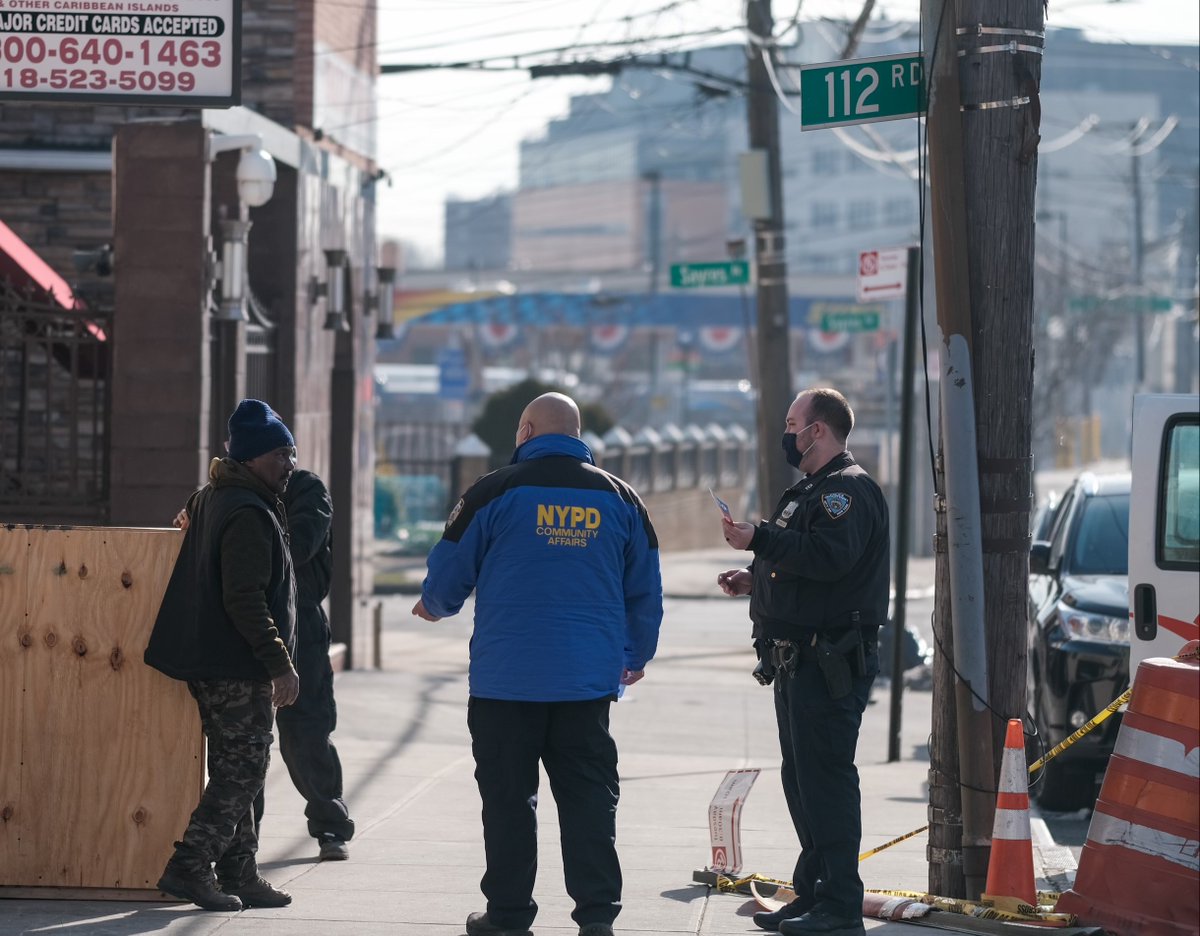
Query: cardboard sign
x=725, y=817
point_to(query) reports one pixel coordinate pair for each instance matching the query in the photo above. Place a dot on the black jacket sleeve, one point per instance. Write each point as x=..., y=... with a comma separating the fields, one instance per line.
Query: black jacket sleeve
x=309, y=516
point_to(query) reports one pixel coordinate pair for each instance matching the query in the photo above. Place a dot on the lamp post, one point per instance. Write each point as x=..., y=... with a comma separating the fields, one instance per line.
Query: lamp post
x=385, y=330
x=334, y=290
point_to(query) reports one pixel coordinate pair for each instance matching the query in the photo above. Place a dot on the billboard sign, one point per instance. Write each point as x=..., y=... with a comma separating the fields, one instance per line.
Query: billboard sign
x=111, y=52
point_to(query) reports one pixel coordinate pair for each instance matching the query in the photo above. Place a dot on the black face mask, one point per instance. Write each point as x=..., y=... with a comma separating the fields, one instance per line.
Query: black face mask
x=789, y=449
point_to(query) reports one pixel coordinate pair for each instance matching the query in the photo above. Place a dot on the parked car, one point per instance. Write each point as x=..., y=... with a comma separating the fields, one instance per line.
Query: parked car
x=1079, y=635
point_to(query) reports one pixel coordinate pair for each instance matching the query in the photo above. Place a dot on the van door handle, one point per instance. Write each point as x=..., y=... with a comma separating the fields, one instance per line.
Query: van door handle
x=1145, y=612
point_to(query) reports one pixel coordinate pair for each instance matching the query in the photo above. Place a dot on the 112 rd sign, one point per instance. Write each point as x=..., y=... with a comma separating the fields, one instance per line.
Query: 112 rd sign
x=858, y=91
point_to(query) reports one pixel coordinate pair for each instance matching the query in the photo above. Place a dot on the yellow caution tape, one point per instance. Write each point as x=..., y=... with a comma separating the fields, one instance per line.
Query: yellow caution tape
x=1012, y=910
x=1107, y=711
x=896, y=841
x=726, y=884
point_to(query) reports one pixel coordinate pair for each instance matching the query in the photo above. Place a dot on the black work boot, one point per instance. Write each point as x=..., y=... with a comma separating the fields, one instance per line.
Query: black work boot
x=770, y=920
x=822, y=923
x=479, y=924
x=257, y=892
x=197, y=883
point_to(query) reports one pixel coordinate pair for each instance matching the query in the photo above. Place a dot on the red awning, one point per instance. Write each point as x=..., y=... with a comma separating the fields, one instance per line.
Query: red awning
x=22, y=267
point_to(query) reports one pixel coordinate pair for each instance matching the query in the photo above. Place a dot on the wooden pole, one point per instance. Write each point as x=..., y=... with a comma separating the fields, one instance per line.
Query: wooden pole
x=774, y=378
x=960, y=547
x=1001, y=117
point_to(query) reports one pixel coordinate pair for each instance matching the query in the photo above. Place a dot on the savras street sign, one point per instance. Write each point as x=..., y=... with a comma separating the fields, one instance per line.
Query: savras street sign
x=857, y=91
x=691, y=275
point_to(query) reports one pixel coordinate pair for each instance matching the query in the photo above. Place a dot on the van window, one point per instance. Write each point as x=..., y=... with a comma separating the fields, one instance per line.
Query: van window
x=1178, y=545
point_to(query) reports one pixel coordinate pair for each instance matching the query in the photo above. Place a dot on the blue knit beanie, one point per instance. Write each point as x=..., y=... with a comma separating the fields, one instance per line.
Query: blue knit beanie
x=255, y=429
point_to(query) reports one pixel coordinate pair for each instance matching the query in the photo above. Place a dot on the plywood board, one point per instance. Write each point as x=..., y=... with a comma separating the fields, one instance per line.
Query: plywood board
x=14, y=548
x=111, y=749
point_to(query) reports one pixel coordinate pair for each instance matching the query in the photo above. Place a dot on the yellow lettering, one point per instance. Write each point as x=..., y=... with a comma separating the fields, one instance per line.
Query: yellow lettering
x=562, y=514
x=545, y=515
x=593, y=518
x=577, y=514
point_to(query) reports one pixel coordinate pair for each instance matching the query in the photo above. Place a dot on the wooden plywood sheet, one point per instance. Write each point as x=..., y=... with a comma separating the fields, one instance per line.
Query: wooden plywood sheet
x=111, y=750
x=14, y=546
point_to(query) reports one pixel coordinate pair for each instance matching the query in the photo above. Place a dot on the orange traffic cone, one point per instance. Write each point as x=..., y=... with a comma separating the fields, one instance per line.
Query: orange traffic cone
x=1010, y=869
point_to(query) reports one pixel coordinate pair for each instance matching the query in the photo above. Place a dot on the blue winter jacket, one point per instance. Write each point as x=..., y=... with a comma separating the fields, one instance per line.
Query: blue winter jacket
x=564, y=561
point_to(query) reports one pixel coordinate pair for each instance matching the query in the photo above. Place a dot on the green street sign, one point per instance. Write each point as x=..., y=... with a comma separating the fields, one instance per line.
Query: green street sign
x=850, y=322
x=694, y=275
x=858, y=91
x=1125, y=305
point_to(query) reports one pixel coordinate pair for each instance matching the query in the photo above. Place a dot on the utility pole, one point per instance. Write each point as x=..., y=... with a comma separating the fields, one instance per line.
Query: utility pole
x=1139, y=264
x=654, y=260
x=904, y=483
x=774, y=378
x=984, y=70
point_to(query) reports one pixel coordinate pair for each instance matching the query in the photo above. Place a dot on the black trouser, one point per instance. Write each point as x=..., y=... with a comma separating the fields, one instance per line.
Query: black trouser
x=571, y=739
x=818, y=736
x=304, y=729
x=236, y=717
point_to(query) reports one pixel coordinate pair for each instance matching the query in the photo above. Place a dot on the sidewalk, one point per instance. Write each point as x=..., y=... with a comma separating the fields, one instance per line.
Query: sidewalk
x=417, y=857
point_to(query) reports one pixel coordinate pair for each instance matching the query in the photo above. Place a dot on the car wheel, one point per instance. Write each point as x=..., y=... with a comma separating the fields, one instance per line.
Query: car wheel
x=1063, y=787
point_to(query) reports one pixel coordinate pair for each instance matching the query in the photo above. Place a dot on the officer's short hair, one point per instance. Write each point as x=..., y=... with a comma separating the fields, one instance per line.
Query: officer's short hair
x=830, y=407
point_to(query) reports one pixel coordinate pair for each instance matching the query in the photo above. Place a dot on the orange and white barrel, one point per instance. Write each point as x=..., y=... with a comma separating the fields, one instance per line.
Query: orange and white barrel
x=1139, y=873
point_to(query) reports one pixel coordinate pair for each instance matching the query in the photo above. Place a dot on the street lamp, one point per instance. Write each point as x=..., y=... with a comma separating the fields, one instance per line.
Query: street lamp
x=255, y=184
x=386, y=300
x=333, y=290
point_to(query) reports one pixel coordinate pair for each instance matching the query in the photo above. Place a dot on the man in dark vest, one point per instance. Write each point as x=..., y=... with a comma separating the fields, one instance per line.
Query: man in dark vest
x=227, y=627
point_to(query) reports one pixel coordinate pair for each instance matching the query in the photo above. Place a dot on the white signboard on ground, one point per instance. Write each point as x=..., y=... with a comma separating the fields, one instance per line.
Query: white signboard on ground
x=882, y=274
x=725, y=820
x=182, y=53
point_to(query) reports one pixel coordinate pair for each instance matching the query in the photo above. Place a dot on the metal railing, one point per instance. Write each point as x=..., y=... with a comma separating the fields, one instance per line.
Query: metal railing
x=54, y=409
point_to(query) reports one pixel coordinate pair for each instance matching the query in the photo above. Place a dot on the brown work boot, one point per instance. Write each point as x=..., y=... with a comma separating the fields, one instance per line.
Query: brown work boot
x=257, y=892
x=197, y=884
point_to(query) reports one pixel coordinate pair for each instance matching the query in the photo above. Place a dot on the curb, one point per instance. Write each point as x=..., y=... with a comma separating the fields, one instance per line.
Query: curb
x=1054, y=865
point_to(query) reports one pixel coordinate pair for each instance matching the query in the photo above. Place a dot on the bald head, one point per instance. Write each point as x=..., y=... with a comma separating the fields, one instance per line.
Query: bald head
x=549, y=414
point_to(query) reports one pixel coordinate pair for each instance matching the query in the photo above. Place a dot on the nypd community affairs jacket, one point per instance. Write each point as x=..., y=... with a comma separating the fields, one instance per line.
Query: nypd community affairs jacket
x=564, y=562
x=822, y=555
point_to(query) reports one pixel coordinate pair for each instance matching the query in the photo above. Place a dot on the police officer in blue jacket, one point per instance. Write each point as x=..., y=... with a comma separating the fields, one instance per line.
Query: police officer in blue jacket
x=564, y=562
x=818, y=589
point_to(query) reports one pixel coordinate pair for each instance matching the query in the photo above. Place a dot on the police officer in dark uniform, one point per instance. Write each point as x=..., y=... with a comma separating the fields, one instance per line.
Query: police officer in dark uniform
x=818, y=589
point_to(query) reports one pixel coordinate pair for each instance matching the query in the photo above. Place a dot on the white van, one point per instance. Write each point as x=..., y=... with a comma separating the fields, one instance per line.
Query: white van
x=1164, y=526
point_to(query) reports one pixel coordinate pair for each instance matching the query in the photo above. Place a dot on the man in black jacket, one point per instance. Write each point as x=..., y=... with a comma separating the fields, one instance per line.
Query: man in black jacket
x=227, y=627
x=305, y=727
x=818, y=589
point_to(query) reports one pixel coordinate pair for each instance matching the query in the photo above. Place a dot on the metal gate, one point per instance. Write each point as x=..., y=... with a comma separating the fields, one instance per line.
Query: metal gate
x=412, y=464
x=54, y=409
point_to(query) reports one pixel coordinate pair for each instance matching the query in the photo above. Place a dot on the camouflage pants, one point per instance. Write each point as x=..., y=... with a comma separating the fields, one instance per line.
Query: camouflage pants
x=236, y=715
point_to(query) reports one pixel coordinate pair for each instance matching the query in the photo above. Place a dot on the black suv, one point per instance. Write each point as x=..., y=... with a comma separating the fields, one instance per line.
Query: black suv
x=1079, y=634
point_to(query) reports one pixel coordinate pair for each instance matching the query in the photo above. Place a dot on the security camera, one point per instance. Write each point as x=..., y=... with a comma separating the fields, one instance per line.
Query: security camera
x=255, y=177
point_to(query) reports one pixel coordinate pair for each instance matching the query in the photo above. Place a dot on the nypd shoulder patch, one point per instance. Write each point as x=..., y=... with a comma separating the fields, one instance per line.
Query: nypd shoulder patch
x=836, y=504
x=458, y=508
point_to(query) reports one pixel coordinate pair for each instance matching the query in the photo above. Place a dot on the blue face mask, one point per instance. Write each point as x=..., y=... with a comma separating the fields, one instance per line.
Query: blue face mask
x=789, y=447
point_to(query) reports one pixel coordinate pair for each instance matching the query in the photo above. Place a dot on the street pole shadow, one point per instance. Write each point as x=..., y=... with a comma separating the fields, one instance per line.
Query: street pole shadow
x=113, y=919
x=685, y=894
